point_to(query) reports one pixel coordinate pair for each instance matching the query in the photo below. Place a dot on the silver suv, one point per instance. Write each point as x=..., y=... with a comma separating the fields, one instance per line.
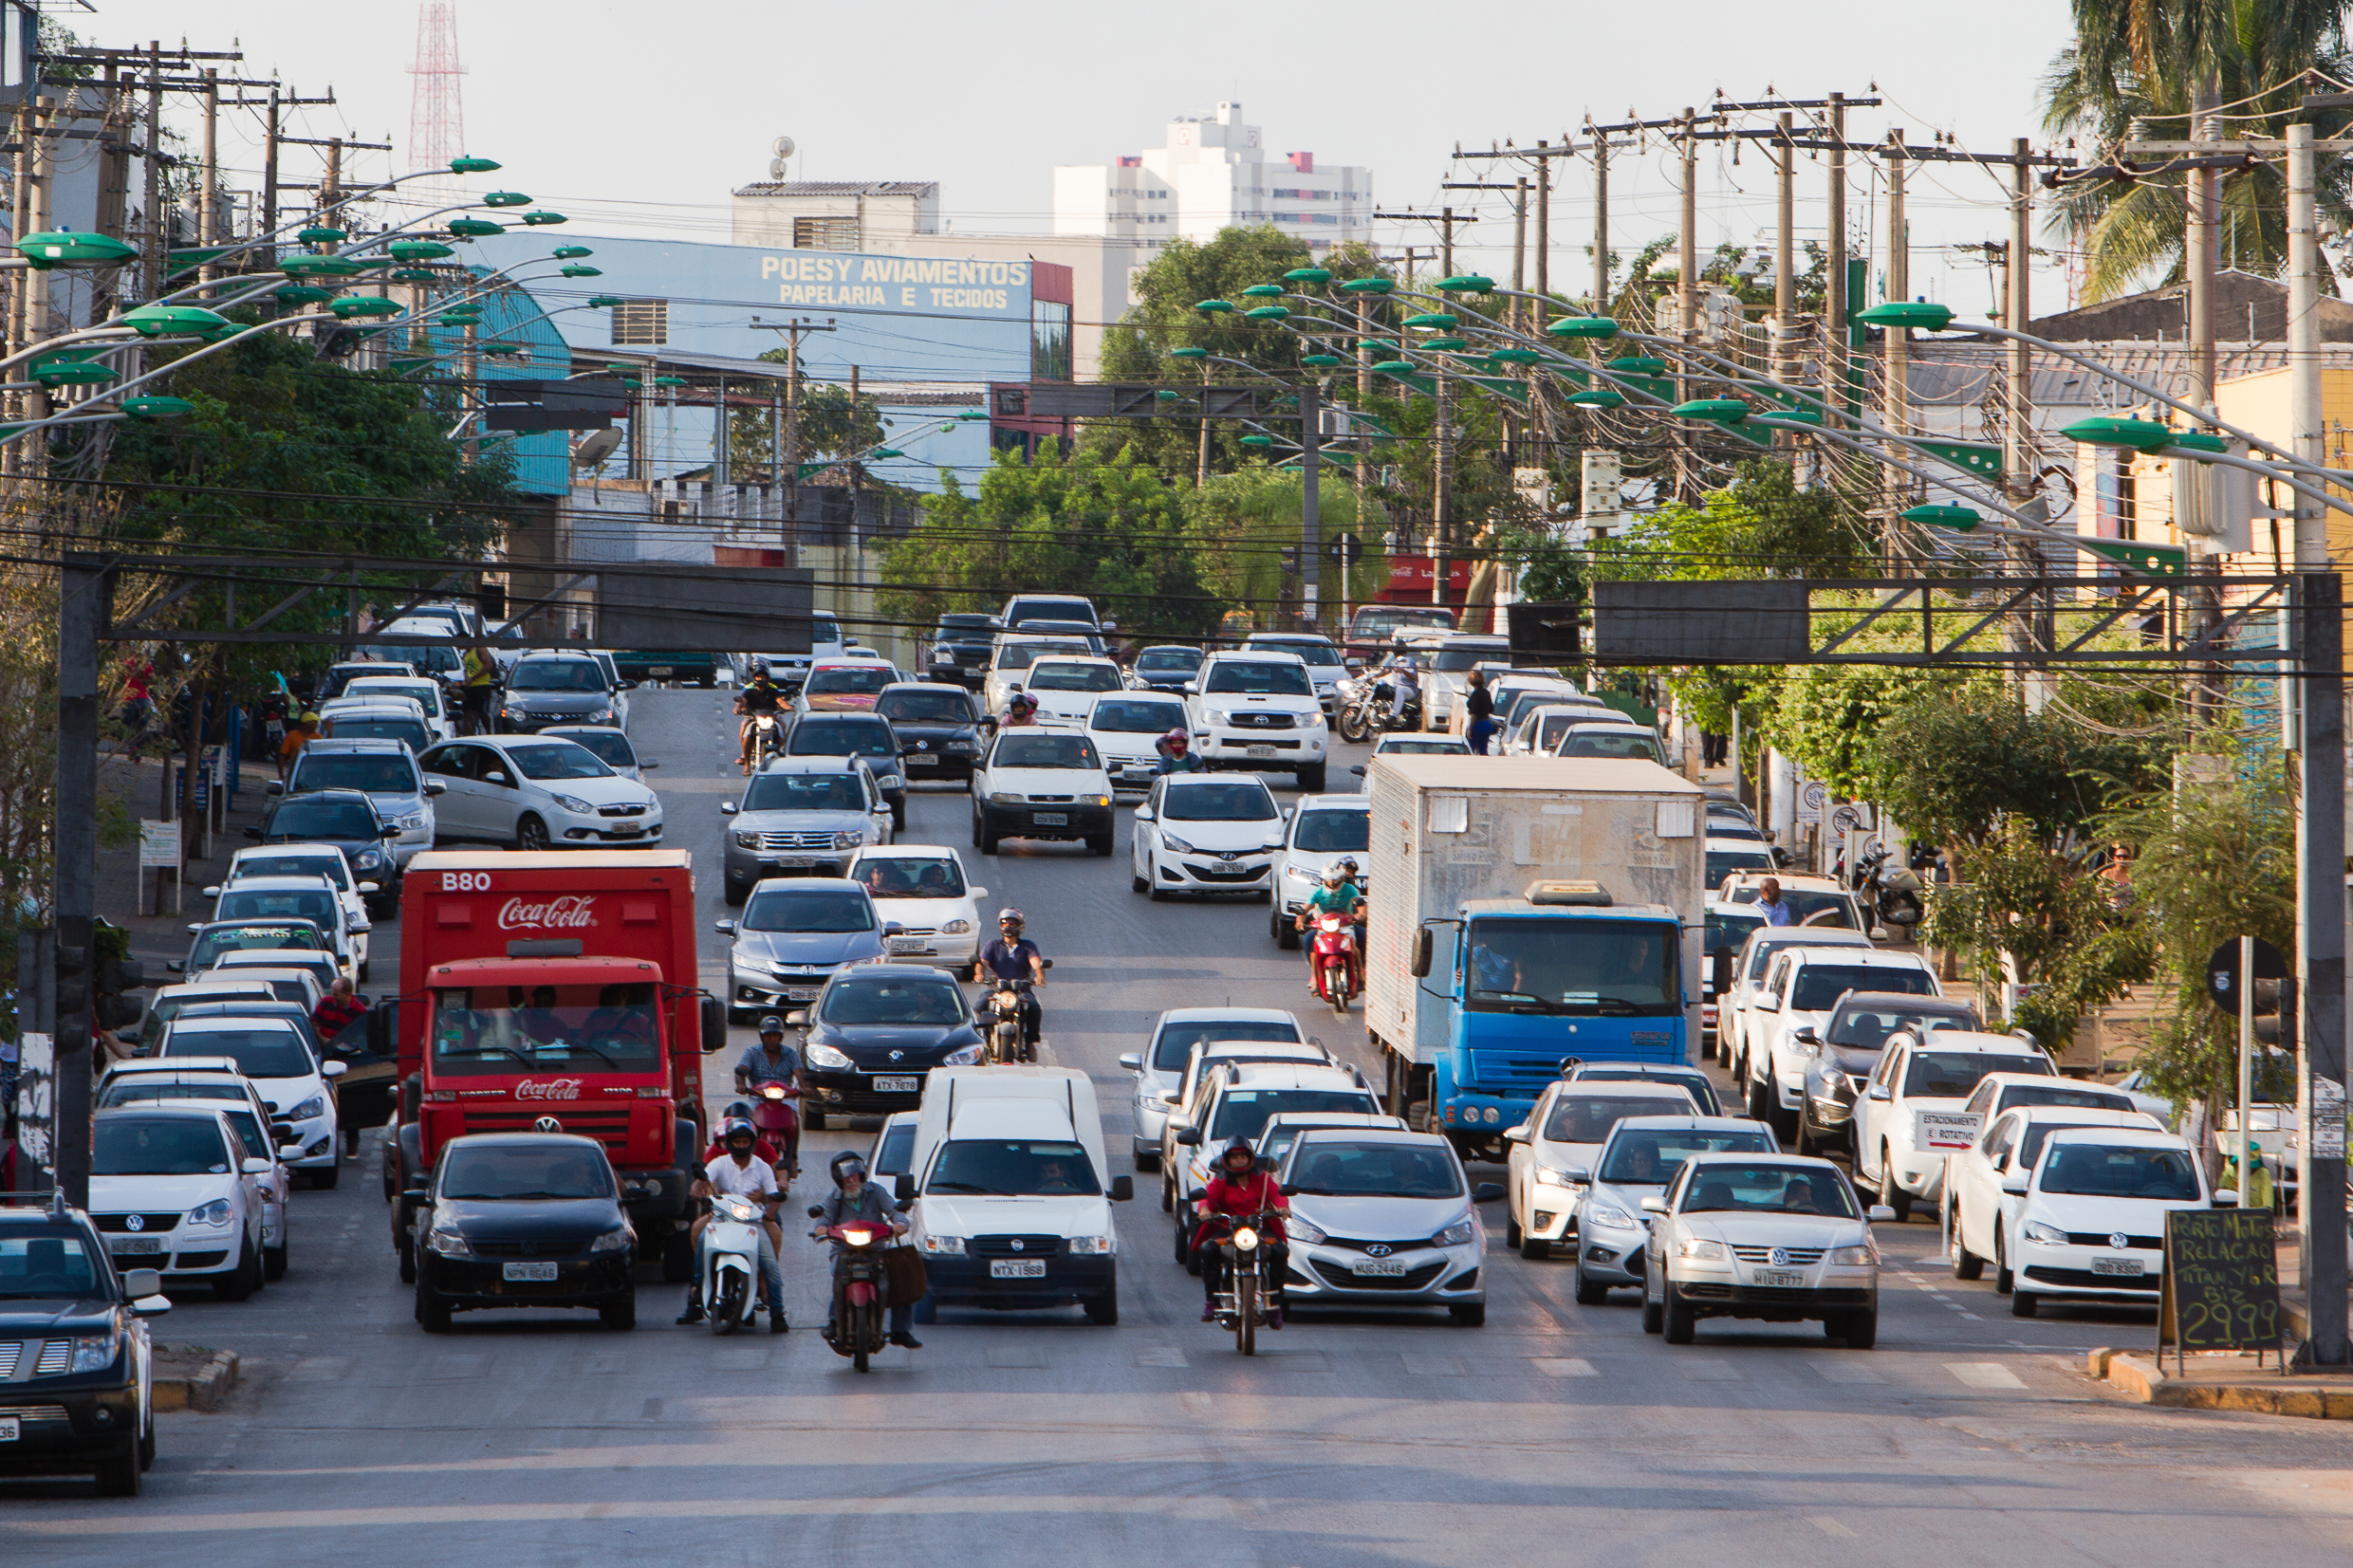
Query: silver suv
x=383, y=770
x=803, y=817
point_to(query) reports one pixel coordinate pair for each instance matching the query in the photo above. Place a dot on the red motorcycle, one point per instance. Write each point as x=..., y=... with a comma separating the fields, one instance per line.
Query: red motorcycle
x=860, y=1281
x=774, y=1114
x=1339, y=976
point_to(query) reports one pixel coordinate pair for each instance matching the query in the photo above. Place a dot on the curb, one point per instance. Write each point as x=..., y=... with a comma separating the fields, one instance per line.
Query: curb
x=2140, y=1379
x=204, y=1384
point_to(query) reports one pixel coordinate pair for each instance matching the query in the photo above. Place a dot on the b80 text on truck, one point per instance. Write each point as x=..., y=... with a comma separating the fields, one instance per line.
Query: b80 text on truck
x=1527, y=910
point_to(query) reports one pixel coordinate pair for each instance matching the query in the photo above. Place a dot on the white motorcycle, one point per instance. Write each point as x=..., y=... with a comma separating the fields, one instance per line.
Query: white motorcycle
x=732, y=1263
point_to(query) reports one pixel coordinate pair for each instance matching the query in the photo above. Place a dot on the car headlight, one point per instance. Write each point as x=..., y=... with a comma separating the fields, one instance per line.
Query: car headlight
x=747, y=841
x=613, y=1240
x=1854, y=1257
x=96, y=1352
x=849, y=838
x=968, y=1057
x=1306, y=874
x=447, y=1244
x=1545, y=1177
x=574, y=804
x=602, y=715
x=1090, y=1246
x=410, y=823
x=956, y=928
x=308, y=1110
x=1700, y=1251
x=1302, y=1230
x=889, y=780
x=1095, y=799
x=2049, y=1235
x=1246, y=1240
x=1006, y=797
x=826, y=1057
x=369, y=859
x=215, y=1212
x=1608, y=1216
x=964, y=747
x=950, y=1247
x=1170, y=842
x=1457, y=1234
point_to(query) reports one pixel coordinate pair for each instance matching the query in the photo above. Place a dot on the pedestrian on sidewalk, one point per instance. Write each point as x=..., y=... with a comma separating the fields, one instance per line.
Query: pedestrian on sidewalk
x=1713, y=748
x=339, y=1010
x=306, y=731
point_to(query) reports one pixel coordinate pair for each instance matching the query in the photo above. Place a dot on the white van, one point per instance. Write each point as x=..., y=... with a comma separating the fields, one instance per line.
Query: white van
x=1013, y=1194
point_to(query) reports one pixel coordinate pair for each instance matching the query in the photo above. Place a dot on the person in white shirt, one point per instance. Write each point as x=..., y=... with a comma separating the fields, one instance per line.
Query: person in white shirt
x=738, y=1174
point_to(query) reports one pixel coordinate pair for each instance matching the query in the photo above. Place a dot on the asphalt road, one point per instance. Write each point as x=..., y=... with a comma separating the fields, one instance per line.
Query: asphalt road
x=1556, y=1433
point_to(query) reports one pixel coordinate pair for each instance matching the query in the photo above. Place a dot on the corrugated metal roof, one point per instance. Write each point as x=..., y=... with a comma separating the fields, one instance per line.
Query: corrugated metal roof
x=841, y=188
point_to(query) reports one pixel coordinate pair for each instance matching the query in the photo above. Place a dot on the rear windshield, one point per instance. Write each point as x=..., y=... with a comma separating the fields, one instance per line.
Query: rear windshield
x=409, y=732
x=258, y=1053
x=1694, y=1084
x=1314, y=653
x=225, y=939
x=1219, y=802
x=1177, y=1040
x=1632, y=743
x=423, y=693
x=332, y=867
x=2110, y=1170
x=1455, y=659
x=805, y=792
x=1171, y=660
x=377, y=772
x=158, y=1146
x=1332, y=832
x=1242, y=1113
x=857, y=738
x=1868, y=1028
x=1819, y=986
x=562, y=1171
x=1769, y=1190
x=1381, y=622
x=1250, y=677
x=925, y=707
x=834, y=909
x=1588, y=1119
x=2059, y=1094
x=1730, y=931
x=1329, y=1166
x=1804, y=904
x=558, y=760
x=1651, y=1159
x=238, y=903
x=1007, y=1167
x=1048, y=676
x=1723, y=862
x=1046, y=750
x=555, y=675
x=1135, y=717
x=1421, y=748
x=1951, y=1074
x=301, y=819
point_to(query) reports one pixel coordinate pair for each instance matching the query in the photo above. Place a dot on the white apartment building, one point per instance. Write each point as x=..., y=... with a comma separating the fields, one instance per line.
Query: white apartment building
x=1213, y=174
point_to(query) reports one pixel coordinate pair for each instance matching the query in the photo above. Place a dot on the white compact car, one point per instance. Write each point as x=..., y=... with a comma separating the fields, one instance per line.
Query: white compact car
x=1259, y=712
x=1126, y=728
x=534, y=793
x=1065, y=686
x=1772, y=1237
x=1235, y=1102
x=1385, y=1219
x=1905, y=1123
x=1160, y=1067
x=1034, y=782
x=314, y=897
x=1980, y=1189
x=1641, y=1158
x=1791, y=1010
x=611, y=746
x=172, y=1189
x=1322, y=830
x=295, y=1086
x=921, y=889
x=425, y=693
x=1563, y=1134
x=2092, y=1223
x=1201, y=833
x=232, y=1094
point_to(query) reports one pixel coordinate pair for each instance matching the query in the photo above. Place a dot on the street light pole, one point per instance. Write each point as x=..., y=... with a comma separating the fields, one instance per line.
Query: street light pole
x=1311, y=519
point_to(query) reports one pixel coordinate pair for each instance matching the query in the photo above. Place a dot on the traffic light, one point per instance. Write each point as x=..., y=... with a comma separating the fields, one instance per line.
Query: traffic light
x=73, y=993
x=2276, y=1013
x=116, y=979
x=490, y=599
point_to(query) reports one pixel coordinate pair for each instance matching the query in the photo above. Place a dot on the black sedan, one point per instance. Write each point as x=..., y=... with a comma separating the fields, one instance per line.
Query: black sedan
x=856, y=735
x=1165, y=667
x=523, y=1219
x=939, y=729
x=346, y=818
x=875, y=1031
x=77, y=1366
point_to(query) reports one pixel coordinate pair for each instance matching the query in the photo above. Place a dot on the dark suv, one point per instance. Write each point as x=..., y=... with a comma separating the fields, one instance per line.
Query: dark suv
x=856, y=735
x=960, y=647
x=78, y=1366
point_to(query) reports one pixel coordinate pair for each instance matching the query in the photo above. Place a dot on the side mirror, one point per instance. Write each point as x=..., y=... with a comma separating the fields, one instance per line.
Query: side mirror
x=1878, y=933
x=2015, y=1185
x=176, y=965
x=212, y=892
x=725, y=928
x=1424, y=940
x=495, y=776
x=1487, y=1191
x=1190, y=1137
x=1132, y=1062
x=1358, y=770
x=368, y=888
x=256, y=1166
x=195, y=924
x=417, y=1191
x=334, y=1069
x=628, y=686
x=1807, y=1036
x=255, y=834
x=390, y=834
x=1879, y=1092
x=1654, y=1205
x=817, y=1213
x=902, y=1186
x=437, y=786
x=1144, y=814
x=1355, y=663
x=711, y=1025
x=1123, y=1188
x=1193, y=689
x=1045, y=963
x=1517, y=1134
x=726, y=808
x=138, y=1282
x=797, y=1019
x=644, y=763
x=1880, y=1213
x=273, y=787
x=1582, y=1175
x=976, y=891
x=2226, y=1198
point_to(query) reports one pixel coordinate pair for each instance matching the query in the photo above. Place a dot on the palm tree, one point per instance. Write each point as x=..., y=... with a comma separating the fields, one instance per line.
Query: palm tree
x=2147, y=61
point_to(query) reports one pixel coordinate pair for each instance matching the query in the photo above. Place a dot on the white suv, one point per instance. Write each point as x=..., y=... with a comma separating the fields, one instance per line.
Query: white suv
x=1323, y=829
x=1931, y=1077
x=1790, y=1011
x=1258, y=712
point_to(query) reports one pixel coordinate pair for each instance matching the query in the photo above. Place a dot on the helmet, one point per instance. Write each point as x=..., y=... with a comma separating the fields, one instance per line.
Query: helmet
x=736, y=1111
x=737, y=1127
x=772, y=1025
x=1009, y=916
x=1347, y=865
x=843, y=1166
x=1022, y=699
x=1177, y=737
x=1334, y=874
x=1239, y=1146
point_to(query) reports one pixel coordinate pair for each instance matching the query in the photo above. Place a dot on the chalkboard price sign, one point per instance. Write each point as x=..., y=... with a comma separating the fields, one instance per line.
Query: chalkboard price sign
x=2221, y=1287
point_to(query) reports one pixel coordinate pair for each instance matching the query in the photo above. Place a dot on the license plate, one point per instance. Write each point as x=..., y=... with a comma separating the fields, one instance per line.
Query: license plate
x=1258, y=751
x=1782, y=1277
x=660, y=670
x=909, y=943
x=1138, y=773
x=1051, y=818
x=2129, y=1268
x=921, y=759
x=542, y=1274
x=1380, y=1268
x=799, y=993
x=1017, y=1268
x=134, y=1246
x=9, y=1431
x=897, y=1085
x=798, y=862
x=626, y=832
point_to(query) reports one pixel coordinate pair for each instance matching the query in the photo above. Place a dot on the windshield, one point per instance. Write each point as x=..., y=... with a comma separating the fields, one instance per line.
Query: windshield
x=1834, y=909
x=264, y=1052
x=1621, y=967
x=610, y=747
x=1588, y=1119
x=578, y=1028
x=924, y=707
x=1600, y=743
x=1136, y=716
x=1951, y=1074
x=1168, y=661
x=132, y=1091
x=1335, y=1168
x=423, y=693
x=53, y=1263
x=1866, y=1028
x=1769, y=1190
x=409, y=732
x=2113, y=1170
x=911, y=875
x=332, y=867
x=1312, y=653
x=1177, y=1040
x=805, y=792
x=1456, y=658
x=238, y=903
x=158, y=1146
x=1371, y=624
x=1727, y=932
x=849, y=738
x=1723, y=862
x=1421, y=748
x=374, y=773
x=1051, y=751
x=423, y=659
x=2058, y=1093
x=558, y=760
x=555, y=675
x=908, y=1000
x=1005, y=1167
x=1253, y=677
x=301, y=819
x=566, y=1171
x=2031, y=1138
x=1693, y=1084
x=840, y=678
x=1242, y=1113
x=831, y=909
x=219, y=940
x=1651, y=1159
x=1332, y=832
x=893, y=1150
x=1219, y=802
x=1052, y=675
x=1819, y=986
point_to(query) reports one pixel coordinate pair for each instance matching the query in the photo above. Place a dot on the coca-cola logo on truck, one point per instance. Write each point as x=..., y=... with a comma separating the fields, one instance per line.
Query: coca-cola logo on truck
x=555, y=1088
x=569, y=912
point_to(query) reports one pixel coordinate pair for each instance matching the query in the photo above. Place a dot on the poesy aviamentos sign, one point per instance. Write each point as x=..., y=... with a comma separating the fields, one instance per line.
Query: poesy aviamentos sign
x=964, y=287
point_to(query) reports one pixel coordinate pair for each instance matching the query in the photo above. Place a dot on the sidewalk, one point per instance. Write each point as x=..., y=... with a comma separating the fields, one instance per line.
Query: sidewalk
x=137, y=788
x=2227, y=1380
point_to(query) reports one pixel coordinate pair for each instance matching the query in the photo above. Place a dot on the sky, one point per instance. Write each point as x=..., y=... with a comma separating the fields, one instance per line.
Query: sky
x=640, y=119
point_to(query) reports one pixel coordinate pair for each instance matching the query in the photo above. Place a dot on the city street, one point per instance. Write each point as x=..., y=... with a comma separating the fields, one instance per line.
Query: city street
x=1555, y=1432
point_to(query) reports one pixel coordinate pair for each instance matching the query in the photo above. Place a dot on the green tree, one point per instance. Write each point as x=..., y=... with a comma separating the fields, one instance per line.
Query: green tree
x=1239, y=524
x=829, y=423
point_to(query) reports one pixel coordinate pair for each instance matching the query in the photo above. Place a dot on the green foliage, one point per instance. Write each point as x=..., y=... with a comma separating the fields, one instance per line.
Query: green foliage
x=1240, y=522
x=829, y=423
x=1955, y=766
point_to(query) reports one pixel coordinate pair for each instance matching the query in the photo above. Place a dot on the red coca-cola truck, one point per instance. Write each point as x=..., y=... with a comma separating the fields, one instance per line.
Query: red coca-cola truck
x=554, y=991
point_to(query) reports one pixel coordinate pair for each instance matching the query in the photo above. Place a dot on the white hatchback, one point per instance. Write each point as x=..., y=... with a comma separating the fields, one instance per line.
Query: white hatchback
x=232, y=1093
x=535, y=793
x=921, y=888
x=426, y=693
x=295, y=1086
x=1980, y=1190
x=172, y=1188
x=1200, y=833
x=1563, y=1134
x=1773, y=1236
x=2092, y=1223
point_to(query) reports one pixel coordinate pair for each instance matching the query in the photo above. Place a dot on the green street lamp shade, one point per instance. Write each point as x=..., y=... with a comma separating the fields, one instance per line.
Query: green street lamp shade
x=72, y=373
x=466, y=310
x=1439, y=320
x=1188, y=352
x=542, y=218
x=472, y=166
x=1639, y=364
x=1516, y=356
x=502, y=351
x=2198, y=440
x=1469, y=283
x=156, y=320
x=158, y=408
x=320, y=234
x=1959, y=518
x=1167, y=397
x=300, y=293
x=419, y=250
x=2141, y=435
x=73, y=248
x=1583, y=327
x=1446, y=345
x=473, y=229
x=616, y=368
x=578, y=271
x=606, y=302
x=1367, y=285
x=1309, y=274
x=1260, y=442
x=1903, y=313
x=670, y=380
x=1213, y=307
x=572, y=253
x=1598, y=398
x=1797, y=417
x=353, y=305
x=321, y=266
x=400, y=275
x=506, y=198
x=1395, y=367
x=1267, y=313
x=632, y=382
x=880, y=454
x=1721, y=410
x=971, y=414
x=1321, y=362
x=1262, y=291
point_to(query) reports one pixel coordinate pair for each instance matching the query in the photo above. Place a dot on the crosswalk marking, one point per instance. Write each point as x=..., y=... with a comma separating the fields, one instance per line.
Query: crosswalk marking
x=1983, y=1374
x=1565, y=1366
x=1847, y=1369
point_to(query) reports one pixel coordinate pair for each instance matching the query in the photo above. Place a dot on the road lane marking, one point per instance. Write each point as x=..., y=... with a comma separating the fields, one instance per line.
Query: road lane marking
x=1160, y=1355
x=1827, y=1525
x=319, y=1369
x=1434, y=1366
x=1833, y=1369
x=1565, y=1366
x=1983, y=1374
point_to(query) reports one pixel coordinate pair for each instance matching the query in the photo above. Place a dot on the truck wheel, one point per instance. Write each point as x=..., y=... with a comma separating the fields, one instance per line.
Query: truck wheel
x=1104, y=1310
x=530, y=834
x=677, y=1258
x=1418, y=1116
x=1311, y=780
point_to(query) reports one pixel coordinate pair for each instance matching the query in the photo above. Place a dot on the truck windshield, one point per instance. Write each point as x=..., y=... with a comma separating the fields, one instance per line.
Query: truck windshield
x=531, y=1028
x=1613, y=967
x=1010, y=1167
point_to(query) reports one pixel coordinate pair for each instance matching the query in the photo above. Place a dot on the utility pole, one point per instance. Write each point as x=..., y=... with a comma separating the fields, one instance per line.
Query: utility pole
x=80, y=611
x=2019, y=458
x=1895, y=353
x=1446, y=220
x=1687, y=251
x=1310, y=515
x=1784, y=262
x=207, y=218
x=1834, y=300
x=1446, y=243
x=269, y=164
x=1544, y=231
x=158, y=239
x=2200, y=268
x=1600, y=224
x=1519, y=243
x=1442, y=485
x=2320, y=963
x=790, y=459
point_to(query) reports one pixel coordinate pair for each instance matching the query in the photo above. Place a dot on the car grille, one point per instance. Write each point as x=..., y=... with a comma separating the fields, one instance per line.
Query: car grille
x=610, y=1128
x=51, y=1356
x=1052, y=800
x=2099, y=1238
x=544, y=1247
x=34, y=1413
x=1226, y=874
x=201, y=1260
x=796, y=841
x=1279, y=745
x=621, y=811
x=1413, y=1279
x=1354, y=1243
x=1791, y=1256
x=1709, y=1290
x=1002, y=1246
x=120, y=1223
x=1264, y=721
x=2083, y=1279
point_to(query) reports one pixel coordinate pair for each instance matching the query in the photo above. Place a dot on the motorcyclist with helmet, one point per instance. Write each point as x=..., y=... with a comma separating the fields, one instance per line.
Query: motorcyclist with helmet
x=856, y=1198
x=1240, y=1189
x=1338, y=895
x=1022, y=712
x=774, y=1061
x=1176, y=750
x=760, y=696
x=1013, y=956
x=740, y=1173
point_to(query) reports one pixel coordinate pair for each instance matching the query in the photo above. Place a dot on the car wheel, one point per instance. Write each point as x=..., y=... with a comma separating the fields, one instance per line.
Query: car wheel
x=620, y=1313
x=1168, y=1197
x=147, y=1443
x=2004, y=1281
x=119, y=1475
x=407, y=1261
x=324, y=1179
x=899, y=818
x=1534, y=1251
x=813, y=1118
x=1860, y=1330
x=735, y=892
x=1147, y=1159
x=1182, y=1241
x=432, y=1311
x=1654, y=1315
x=1590, y=1292
x=1286, y=934
x=273, y=1263
x=363, y=972
x=1152, y=883
x=241, y=1281
x=2023, y=1302
x=1102, y=846
x=1756, y=1105
x=1103, y=1310
x=530, y=834
x=1469, y=1314
x=983, y=839
x=1966, y=1264
x=1512, y=1234
x=1892, y=1195
x=1681, y=1322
